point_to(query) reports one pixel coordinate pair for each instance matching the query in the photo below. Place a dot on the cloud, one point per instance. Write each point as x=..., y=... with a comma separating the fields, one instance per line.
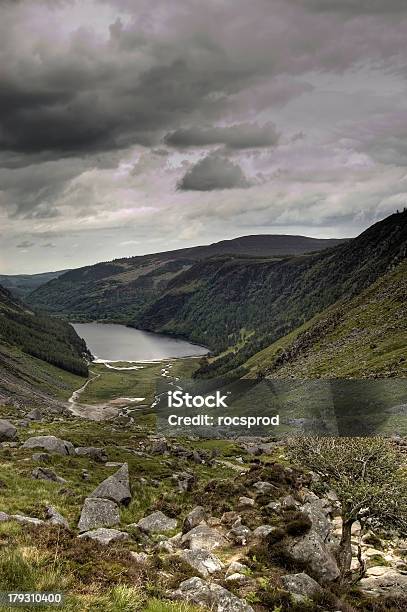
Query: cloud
x=25, y=245
x=48, y=245
x=212, y=173
x=355, y=7
x=239, y=136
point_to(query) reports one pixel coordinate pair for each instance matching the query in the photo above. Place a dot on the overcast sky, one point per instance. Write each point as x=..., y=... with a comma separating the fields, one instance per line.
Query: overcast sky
x=136, y=126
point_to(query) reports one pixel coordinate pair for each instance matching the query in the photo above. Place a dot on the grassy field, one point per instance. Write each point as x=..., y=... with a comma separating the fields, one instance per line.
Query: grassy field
x=113, y=384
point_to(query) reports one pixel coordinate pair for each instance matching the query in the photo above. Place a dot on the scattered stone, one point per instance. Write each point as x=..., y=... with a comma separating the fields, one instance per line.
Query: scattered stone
x=203, y=537
x=184, y=481
x=157, y=522
x=105, y=536
x=139, y=557
x=245, y=502
x=52, y=444
x=213, y=521
x=41, y=457
x=235, y=568
x=85, y=475
x=274, y=507
x=229, y=518
x=7, y=431
x=43, y=473
x=240, y=578
x=115, y=487
x=288, y=503
x=390, y=583
x=95, y=453
x=263, y=487
x=114, y=464
x=26, y=519
x=211, y=595
x=377, y=570
x=55, y=518
x=203, y=561
x=4, y=517
x=263, y=531
x=196, y=516
x=98, y=512
x=301, y=584
x=314, y=509
x=240, y=534
x=311, y=550
x=34, y=415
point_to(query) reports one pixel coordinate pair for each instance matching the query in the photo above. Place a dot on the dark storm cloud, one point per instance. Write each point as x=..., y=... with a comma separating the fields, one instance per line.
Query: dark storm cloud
x=240, y=136
x=355, y=7
x=213, y=172
x=25, y=245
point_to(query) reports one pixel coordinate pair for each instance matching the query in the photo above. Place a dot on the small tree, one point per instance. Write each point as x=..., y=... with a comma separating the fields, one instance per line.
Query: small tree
x=368, y=475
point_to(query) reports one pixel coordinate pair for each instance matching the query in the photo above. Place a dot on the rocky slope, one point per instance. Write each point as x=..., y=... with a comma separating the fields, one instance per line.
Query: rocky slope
x=365, y=337
x=131, y=521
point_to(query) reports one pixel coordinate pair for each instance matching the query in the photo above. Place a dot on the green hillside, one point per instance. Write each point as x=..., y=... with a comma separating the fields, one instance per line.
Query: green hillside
x=363, y=337
x=217, y=300
x=21, y=285
x=38, y=354
x=122, y=289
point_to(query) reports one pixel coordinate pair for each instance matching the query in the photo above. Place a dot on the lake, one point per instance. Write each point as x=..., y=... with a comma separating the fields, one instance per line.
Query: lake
x=111, y=342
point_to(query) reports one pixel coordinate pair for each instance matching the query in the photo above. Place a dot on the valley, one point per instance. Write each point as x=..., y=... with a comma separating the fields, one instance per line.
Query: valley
x=97, y=502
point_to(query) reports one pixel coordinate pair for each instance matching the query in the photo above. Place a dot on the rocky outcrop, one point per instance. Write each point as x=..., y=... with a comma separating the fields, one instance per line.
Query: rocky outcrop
x=93, y=452
x=203, y=537
x=97, y=512
x=55, y=518
x=213, y=596
x=115, y=487
x=52, y=444
x=43, y=473
x=7, y=431
x=157, y=522
x=196, y=516
x=387, y=581
x=301, y=585
x=203, y=561
x=105, y=536
x=310, y=550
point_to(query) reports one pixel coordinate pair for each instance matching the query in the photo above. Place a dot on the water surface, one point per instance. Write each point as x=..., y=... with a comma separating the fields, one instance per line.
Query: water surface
x=113, y=342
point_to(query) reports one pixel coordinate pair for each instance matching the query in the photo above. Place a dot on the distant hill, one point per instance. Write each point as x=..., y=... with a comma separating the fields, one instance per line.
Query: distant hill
x=238, y=306
x=23, y=284
x=36, y=351
x=363, y=337
x=121, y=289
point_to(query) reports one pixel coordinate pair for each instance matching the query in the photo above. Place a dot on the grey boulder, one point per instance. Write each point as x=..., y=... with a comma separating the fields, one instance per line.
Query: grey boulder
x=43, y=473
x=213, y=596
x=93, y=452
x=203, y=537
x=203, y=561
x=115, y=487
x=97, y=512
x=52, y=444
x=7, y=431
x=301, y=585
x=311, y=551
x=196, y=516
x=157, y=522
x=105, y=536
x=55, y=518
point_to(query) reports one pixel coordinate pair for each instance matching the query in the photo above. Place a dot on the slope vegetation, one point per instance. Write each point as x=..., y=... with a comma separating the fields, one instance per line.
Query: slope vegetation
x=122, y=289
x=38, y=354
x=217, y=301
x=363, y=337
